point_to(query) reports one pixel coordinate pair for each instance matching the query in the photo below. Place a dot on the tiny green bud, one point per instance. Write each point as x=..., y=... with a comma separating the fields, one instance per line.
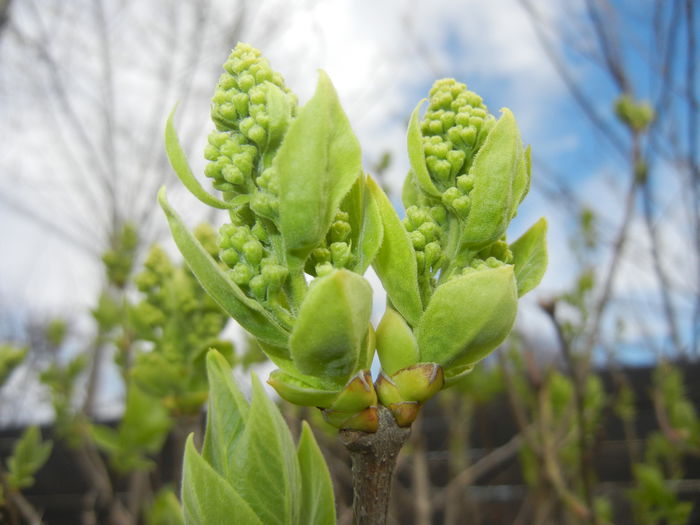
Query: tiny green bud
x=433, y=253
x=230, y=257
x=274, y=275
x=258, y=286
x=340, y=231
x=241, y=274
x=253, y=251
x=418, y=239
x=340, y=254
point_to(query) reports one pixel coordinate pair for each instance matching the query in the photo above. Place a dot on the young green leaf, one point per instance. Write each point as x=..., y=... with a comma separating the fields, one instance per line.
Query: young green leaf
x=468, y=317
x=279, y=110
x=410, y=195
x=396, y=344
x=395, y=263
x=317, y=503
x=331, y=325
x=302, y=390
x=365, y=222
x=207, y=497
x=28, y=456
x=530, y=256
x=265, y=465
x=228, y=412
x=416, y=155
x=247, y=312
x=318, y=163
x=178, y=160
x=165, y=509
x=495, y=168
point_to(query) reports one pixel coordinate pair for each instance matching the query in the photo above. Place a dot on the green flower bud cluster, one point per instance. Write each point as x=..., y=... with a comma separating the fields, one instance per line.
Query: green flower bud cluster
x=119, y=259
x=299, y=204
x=246, y=125
x=179, y=321
x=335, y=252
x=456, y=301
x=253, y=266
x=454, y=128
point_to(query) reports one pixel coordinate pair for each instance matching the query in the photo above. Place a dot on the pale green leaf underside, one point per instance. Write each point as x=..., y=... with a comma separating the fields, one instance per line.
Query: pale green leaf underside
x=232, y=300
x=395, y=263
x=530, y=257
x=317, y=501
x=266, y=472
x=208, y=498
x=331, y=325
x=495, y=168
x=468, y=317
x=318, y=162
x=178, y=161
x=416, y=155
x=227, y=414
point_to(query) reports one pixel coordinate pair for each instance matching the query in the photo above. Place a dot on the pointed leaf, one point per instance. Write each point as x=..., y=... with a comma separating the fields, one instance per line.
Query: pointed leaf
x=317, y=504
x=208, y=498
x=416, y=155
x=468, y=317
x=410, y=195
x=366, y=224
x=28, y=456
x=266, y=470
x=230, y=297
x=331, y=325
x=495, y=168
x=302, y=390
x=395, y=263
x=396, y=344
x=530, y=257
x=226, y=417
x=318, y=162
x=279, y=110
x=178, y=160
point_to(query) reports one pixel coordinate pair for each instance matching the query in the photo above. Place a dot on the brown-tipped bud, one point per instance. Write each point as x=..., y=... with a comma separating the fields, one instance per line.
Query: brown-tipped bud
x=419, y=382
x=405, y=413
x=365, y=421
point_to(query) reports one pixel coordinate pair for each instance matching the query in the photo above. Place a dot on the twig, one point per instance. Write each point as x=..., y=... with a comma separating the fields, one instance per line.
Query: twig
x=373, y=460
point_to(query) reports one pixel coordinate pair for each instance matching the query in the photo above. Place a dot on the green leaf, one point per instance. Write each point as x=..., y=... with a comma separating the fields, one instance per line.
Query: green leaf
x=495, y=168
x=410, y=195
x=396, y=345
x=416, y=155
x=318, y=163
x=208, y=498
x=395, y=262
x=279, y=110
x=230, y=297
x=165, y=509
x=521, y=181
x=302, y=390
x=227, y=414
x=530, y=257
x=10, y=358
x=28, y=456
x=178, y=160
x=468, y=317
x=366, y=224
x=265, y=465
x=331, y=325
x=317, y=504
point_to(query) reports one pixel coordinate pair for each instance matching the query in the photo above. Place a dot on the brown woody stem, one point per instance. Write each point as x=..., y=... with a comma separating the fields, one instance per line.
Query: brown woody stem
x=373, y=461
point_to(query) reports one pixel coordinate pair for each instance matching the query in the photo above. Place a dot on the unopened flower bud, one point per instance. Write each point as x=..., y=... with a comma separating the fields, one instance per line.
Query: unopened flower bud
x=253, y=251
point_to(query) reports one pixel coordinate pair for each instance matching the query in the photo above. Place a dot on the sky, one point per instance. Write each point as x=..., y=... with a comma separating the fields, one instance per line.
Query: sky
x=382, y=58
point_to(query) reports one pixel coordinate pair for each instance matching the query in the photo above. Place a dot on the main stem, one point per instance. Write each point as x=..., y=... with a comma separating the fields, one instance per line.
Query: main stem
x=373, y=461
